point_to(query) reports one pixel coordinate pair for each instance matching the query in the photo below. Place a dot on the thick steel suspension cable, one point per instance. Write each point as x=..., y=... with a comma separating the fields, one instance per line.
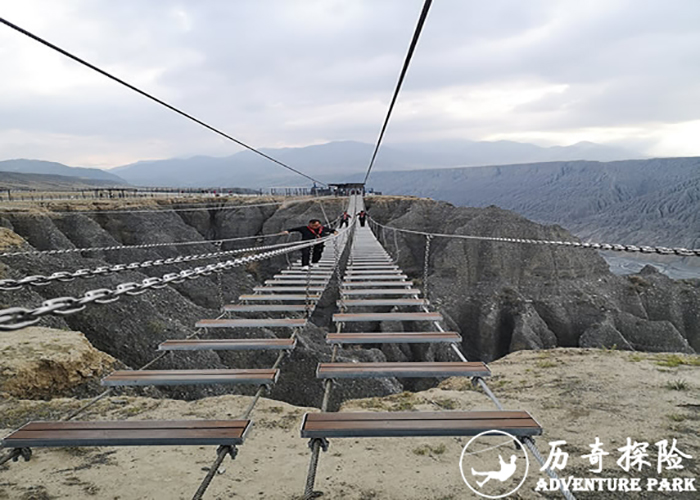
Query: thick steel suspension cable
x=407, y=61
x=153, y=98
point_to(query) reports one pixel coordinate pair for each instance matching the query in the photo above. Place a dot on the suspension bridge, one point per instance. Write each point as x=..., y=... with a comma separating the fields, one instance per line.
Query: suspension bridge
x=371, y=289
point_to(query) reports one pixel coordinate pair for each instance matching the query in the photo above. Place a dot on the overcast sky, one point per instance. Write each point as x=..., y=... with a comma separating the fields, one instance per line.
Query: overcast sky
x=294, y=73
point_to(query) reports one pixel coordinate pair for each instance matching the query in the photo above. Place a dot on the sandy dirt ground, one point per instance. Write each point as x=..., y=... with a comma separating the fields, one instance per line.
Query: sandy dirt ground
x=577, y=395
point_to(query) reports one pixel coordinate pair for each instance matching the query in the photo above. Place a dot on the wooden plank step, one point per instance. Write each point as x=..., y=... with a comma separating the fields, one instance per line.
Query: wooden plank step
x=364, y=272
x=279, y=297
x=287, y=289
x=314, y=282
x=251, y=323
x=323, y=266
x=382, y=291
x=227, y=344
x=392, y=316
x=304, y=276
x=403, y=369
x=354, y=261
x=299, y=272
x=265, y=308
x=417, y=423
x=360, y=284
x=264, y=376
x=377, y=262
x=382, y=302
x=373, y=267
x=370, y=277
x=129, y=433
x=392, y=338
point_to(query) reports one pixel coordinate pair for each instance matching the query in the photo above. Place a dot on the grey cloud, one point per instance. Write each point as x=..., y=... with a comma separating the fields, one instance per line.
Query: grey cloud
x=274, y=72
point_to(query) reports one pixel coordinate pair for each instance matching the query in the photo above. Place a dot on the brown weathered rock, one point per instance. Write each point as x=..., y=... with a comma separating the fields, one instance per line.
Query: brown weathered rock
x=40, y=362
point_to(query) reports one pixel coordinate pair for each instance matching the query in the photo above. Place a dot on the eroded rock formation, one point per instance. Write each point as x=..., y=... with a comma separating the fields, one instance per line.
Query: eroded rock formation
x=501, y=297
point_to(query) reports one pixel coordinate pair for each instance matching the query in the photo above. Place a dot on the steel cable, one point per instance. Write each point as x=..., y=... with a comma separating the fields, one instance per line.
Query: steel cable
x=15, y=318
x=64, y=276
x=684, y=252
x=153, y=98
x=407, y=61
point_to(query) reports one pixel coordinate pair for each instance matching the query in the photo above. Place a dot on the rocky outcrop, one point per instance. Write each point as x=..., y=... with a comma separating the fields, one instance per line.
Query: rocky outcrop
x=42, y=362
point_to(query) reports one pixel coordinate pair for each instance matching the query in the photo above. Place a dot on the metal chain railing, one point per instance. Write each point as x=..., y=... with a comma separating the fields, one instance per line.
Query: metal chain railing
x=134, y=247
x=426, y=264
x=64, y=276
x=684, y=252
x=396, y=246
x=15, y=318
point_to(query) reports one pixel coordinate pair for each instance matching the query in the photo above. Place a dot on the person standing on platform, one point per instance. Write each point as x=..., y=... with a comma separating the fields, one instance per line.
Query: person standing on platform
x=314, y=230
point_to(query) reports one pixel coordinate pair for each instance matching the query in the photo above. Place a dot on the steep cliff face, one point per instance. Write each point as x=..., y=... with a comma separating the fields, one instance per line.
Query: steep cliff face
x=501, y=297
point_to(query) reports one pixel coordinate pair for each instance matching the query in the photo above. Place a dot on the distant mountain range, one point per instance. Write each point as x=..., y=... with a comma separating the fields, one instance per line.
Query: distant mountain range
x=655, y=201
x=652, y=201
x=52, y=168
x=334, y=161
x=49, y=182
x=331, y=162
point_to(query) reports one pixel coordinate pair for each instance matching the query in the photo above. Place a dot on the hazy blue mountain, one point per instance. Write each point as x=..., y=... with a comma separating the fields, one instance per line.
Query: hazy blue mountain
x=52, y=168
x=462, y=153
x=655, y=201
x=50, y=182
x=332, y=161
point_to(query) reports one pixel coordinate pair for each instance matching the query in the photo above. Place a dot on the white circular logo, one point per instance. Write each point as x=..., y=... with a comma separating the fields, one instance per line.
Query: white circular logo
x=489, y=471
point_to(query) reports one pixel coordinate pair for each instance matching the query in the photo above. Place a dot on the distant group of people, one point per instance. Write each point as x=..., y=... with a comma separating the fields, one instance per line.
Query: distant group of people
x=315, y=230
x=345, y=218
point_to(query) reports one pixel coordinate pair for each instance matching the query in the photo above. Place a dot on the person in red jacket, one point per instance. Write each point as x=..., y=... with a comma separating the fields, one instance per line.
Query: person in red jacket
x=314, y=230
x=362, y=216
x=344, y=219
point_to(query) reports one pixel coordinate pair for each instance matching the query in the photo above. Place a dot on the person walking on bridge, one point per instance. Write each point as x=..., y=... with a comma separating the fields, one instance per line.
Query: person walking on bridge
x=344, y=219
x=314, y=230
x=362, y=215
